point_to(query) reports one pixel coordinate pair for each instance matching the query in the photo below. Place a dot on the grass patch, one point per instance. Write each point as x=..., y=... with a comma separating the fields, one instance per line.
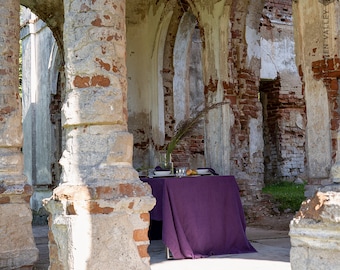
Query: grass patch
x=288, y=195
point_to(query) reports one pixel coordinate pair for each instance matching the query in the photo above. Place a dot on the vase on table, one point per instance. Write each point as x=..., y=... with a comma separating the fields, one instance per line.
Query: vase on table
x=165, y=161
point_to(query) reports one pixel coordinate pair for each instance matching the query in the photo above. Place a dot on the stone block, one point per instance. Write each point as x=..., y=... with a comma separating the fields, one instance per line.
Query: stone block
x=17, y=246
x=96, y=241
x=315, y=233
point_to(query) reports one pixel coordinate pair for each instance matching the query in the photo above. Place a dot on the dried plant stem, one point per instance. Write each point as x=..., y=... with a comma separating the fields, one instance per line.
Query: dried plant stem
x=186, y=125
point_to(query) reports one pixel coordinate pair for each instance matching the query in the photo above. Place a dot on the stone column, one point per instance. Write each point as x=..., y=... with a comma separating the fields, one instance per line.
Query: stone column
x=17, y=248
x=99, y=214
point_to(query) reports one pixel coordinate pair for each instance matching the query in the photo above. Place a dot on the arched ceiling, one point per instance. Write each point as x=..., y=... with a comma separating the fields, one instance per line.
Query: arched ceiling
x=52, y=13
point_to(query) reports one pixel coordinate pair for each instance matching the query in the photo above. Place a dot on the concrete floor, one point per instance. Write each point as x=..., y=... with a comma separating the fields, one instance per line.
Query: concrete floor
x=272, y=253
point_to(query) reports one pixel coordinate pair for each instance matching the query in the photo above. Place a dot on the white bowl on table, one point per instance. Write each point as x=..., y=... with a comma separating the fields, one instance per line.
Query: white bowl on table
x=162, y=173
x=203, y=171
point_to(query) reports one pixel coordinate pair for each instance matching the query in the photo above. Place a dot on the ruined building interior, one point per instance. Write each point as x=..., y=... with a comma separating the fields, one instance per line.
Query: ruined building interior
x=106, y=84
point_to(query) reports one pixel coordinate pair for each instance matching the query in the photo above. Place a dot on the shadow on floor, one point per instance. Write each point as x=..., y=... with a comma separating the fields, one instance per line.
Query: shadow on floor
x=272, y=247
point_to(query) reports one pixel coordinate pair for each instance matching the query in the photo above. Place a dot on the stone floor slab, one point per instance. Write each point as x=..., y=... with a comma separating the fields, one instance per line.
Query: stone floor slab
x=272, y=247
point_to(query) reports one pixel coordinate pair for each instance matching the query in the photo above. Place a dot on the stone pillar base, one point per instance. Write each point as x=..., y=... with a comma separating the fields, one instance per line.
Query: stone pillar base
x=315, y=233
x=99, y=227
x=17, y=247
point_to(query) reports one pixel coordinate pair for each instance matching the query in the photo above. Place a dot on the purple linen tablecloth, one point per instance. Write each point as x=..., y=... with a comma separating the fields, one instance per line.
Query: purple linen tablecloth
x=157, y=186
x=202, y=216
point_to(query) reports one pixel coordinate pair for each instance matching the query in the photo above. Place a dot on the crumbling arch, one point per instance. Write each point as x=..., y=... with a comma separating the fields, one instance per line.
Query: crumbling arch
x=52, y=13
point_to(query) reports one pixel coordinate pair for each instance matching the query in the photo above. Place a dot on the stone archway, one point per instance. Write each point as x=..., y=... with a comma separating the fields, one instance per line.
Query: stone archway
x=52, y=13
x=42, y=83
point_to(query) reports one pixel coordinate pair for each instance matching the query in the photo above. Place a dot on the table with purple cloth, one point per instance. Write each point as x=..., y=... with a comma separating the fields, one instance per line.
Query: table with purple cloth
x=202, y=216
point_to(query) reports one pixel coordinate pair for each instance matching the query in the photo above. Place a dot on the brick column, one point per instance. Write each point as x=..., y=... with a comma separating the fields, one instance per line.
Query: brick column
x=17, y=248
x=99, y=214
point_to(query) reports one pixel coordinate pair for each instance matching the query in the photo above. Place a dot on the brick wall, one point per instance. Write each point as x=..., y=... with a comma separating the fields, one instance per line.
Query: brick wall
x=284, y=137
x=269, y=97
x=242, y=91
x=278, y=10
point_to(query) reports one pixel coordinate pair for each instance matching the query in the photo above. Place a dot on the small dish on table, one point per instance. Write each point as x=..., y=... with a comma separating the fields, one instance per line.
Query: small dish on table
x=162, y=173
x=203, y=171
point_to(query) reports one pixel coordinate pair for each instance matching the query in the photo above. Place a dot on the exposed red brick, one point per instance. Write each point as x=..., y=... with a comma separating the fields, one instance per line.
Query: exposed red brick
x=143, y=251
x=233, y=99
x=94, y=208
x=104, y=65
x=334, y=124
x=97, y=22
x=73, y=193
x=211, y=87
x=81, y=82
x=100, y=80
x=131, y=190
x=104, y=192
x=115, y=69
x=131, y=204
x=4, y=200
x=333, y=73
x=300, y=71
x=330, y=64
x=141, y=234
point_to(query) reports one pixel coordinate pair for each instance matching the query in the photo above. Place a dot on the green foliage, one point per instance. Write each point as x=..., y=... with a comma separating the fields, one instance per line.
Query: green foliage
x=288, y=195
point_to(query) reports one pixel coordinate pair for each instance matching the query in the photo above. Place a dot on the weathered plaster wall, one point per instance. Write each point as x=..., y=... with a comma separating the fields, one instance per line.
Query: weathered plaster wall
x=146, y=34
x=168, y=88
x=215, y=47
x=181, y=81
x=316, y=22
x=282, y=95
x=233, y=132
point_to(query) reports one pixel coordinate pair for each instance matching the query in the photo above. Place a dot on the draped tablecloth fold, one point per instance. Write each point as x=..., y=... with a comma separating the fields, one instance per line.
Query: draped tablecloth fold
x=202, y=216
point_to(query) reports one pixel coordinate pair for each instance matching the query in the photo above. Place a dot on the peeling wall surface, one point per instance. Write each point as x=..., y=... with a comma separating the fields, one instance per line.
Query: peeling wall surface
x=316, y=22
x=282, y=96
